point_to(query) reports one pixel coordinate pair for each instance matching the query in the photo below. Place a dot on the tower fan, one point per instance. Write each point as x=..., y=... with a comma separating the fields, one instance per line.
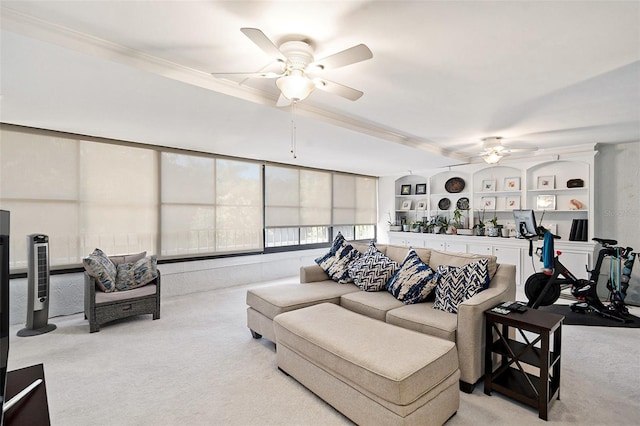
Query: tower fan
x=38, y=286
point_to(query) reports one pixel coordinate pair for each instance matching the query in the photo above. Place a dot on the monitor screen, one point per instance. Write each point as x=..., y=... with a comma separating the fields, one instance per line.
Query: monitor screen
x=525, y=223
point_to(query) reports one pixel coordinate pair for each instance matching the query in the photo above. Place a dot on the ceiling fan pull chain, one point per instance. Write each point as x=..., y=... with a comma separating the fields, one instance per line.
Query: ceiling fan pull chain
x=293, y=130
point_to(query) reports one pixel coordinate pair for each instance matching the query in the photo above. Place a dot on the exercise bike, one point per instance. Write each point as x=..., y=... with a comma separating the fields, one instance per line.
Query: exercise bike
x=543, y=288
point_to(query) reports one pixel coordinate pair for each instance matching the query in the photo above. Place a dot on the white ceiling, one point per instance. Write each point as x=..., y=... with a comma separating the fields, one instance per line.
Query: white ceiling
x=444, y=75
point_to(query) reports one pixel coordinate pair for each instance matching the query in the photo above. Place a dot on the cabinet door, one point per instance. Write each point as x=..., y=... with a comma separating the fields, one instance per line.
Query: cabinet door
x=575, y=261
x=479, y=248
x=457, y=247
x=509, y=255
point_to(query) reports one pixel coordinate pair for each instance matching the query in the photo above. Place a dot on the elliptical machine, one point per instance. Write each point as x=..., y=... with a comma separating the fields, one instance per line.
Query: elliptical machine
x=543, y=288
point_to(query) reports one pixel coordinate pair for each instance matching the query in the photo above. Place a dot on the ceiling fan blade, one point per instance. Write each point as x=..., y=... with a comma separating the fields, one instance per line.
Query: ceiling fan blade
x=263, y=42
x=338, y=89
x=246, y=74
x=347, y=57
x=283, y=101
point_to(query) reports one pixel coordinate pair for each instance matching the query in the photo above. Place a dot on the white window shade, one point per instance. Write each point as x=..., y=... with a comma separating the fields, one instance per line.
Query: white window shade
x=118, y=198
x=297, y=197
x=354, y=200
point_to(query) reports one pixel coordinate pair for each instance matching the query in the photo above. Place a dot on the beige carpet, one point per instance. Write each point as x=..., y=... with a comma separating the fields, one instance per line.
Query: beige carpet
x=198, y=365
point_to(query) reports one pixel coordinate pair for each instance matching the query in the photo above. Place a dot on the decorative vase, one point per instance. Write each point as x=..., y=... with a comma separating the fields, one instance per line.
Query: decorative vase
x=405, y=228
x=480, y=232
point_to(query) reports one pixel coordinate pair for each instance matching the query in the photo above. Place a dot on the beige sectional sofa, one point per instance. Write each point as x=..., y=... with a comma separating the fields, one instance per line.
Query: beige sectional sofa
x=465, y=329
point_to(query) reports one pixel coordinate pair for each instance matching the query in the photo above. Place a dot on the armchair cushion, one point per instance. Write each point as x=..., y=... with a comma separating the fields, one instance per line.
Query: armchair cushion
x=99, y=266
x=138, y=274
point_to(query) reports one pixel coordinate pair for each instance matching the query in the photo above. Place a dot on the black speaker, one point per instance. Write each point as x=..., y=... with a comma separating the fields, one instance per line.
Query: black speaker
x=38, y=286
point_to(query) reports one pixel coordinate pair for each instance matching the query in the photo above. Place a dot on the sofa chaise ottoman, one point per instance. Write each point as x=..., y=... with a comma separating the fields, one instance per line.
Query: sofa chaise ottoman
x=371, y=371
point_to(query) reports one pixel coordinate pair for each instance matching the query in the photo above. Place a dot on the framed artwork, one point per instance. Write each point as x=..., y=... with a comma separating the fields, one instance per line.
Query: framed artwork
x=512, y=184
x=406, y=205
x=546, y=182
x=546, y=202
x=421, y=188
x=489, y=203
x=512, y=203
x=489, y=185
x=405, y=190
x=421, y=205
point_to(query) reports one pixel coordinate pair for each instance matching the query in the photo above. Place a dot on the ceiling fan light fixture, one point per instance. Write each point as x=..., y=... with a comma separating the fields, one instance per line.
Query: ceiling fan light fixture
x=296, y=86
x=493, y=157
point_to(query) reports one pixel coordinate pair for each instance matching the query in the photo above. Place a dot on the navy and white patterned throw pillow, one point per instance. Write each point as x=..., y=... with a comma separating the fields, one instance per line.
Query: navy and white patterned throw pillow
x=336, y=263
x=372, y=271
x=414, y=281
x=458, y=284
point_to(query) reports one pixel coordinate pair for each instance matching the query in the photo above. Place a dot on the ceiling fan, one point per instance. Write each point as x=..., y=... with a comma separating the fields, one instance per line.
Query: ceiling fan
x=299, y=75
x=494, y=150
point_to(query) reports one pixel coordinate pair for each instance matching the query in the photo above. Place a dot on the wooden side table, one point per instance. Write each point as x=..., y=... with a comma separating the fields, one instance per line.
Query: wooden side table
x=511, y=378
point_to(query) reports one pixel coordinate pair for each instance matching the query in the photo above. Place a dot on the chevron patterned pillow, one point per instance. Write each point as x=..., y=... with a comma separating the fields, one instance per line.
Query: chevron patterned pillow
x=372, y=271
x=457, y=284
x=413, y=282
x=336, y=263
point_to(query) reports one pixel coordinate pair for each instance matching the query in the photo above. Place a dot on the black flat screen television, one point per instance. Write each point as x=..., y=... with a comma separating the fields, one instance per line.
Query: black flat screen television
x=4, y=305
x=525, y=223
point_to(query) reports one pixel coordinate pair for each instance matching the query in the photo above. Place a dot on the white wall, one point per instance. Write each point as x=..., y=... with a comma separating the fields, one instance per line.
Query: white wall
x=67, y=290
x=617, y=203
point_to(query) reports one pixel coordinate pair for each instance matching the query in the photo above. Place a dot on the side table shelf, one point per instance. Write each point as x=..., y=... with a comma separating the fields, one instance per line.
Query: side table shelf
x=511, y=376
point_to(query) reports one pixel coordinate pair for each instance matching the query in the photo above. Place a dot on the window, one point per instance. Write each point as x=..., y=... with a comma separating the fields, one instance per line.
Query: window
x=354, y=206
x=210, y=205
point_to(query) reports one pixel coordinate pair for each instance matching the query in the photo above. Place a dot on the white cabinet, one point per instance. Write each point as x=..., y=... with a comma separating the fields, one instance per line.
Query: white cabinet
x=574, y=256
x=504, y=254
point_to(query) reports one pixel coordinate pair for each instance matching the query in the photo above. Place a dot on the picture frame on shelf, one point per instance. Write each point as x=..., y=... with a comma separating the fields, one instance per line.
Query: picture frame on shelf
x=547, y=182
x=421, y=188
x=421, y=205
x=512, y=184
x=406, y=205
x=489, y=185
x=488, y=203
x=546, y=202
x=405, y=190
x=512, y=203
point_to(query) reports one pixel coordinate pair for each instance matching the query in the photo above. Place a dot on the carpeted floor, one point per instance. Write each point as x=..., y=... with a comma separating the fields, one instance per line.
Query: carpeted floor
x=198, y=365
x=591, y=318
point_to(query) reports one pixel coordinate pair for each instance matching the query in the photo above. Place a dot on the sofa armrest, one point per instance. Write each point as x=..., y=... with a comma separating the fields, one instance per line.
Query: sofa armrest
x=312, y=274
x=471, y=325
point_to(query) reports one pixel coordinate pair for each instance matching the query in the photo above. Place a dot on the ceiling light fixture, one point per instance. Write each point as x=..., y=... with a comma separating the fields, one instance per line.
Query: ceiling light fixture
x=492, y=157
x=295, y=86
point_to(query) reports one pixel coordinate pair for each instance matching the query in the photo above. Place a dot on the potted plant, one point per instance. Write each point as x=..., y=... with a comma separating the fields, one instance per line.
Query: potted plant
x=443, y=224
x=393, y=226
x=416, y=227
x=480, y=226
x=459, y=219
x=493, y=229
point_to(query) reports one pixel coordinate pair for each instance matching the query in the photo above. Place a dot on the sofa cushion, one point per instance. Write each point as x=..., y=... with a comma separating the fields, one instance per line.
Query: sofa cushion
x=138, y=274
x=336, y=262
x=423, y=318
x=372, y=270
x=459, y=259
x=273, y=300
x=374, y=304
x=413, y=282
x=399, y=253
x=99, y=266
x=363, y=247
x=458, y=284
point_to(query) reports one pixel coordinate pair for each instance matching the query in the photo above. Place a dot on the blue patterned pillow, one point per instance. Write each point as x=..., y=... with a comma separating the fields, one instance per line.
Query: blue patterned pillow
x=336, y=262
x=100, y=267
x=458, y=284
x=413, y=282
x=372, y=271
x=138, y=274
